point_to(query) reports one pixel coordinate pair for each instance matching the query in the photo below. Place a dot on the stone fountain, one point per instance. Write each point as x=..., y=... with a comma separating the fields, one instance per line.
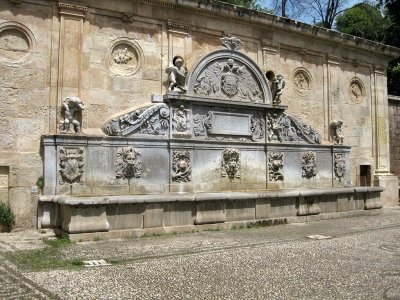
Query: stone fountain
x=218, y=150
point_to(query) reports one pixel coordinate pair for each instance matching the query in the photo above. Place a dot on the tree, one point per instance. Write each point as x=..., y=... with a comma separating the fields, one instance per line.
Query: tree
x=327, y=10
x=363, y=20
x=251, y=4
x=293, y=9
x=392, y=37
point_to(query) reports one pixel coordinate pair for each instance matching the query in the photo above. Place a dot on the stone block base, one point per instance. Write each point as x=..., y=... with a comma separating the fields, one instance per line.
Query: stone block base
x=136, y=215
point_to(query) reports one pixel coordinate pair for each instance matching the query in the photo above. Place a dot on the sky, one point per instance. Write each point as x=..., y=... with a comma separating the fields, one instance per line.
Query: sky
x=307, y=17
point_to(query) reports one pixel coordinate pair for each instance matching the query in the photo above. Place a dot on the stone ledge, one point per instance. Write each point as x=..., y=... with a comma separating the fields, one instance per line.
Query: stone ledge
x=189, y=197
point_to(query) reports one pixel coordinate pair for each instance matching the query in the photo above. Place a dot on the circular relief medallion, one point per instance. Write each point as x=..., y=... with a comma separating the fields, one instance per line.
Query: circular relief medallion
x=125, y=57
x=356, y=90
x=16, y=41
x=302, y=81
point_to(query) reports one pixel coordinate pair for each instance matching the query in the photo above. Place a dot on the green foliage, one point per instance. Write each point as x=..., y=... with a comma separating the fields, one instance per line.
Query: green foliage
x=49, y=257
x=363, y=20
x=7, y=217
x=40, y=183
x=251, y=4
x=58, y=242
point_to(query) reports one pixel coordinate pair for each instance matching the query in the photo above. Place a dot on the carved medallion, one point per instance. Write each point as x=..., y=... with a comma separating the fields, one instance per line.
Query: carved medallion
x=152, y=120
x=309, y=165
x=302, y=82
x=285, y=128
x=356, y=90
x=339, y=164
x=16, y=42
x=129, y=163
x=275, y=165
x=180, y=122
x=71, y=164
x=181, y=166
x=230, y=163
x=228, y=79
x=125, y=57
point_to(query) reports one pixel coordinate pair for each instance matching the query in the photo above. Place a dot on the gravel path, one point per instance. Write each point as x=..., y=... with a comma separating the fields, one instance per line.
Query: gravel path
x=361, y=260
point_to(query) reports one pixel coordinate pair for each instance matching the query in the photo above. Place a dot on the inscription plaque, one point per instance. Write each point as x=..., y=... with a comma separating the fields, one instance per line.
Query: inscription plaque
x=230, y=123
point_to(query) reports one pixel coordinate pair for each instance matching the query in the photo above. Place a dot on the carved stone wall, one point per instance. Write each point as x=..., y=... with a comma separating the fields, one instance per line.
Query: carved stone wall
x=50, y=50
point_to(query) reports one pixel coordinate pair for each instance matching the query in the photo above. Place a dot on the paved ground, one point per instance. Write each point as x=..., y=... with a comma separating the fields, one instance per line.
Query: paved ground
x=361, y=260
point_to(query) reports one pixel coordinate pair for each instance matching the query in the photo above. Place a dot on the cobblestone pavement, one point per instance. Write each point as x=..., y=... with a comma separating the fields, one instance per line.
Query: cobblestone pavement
x=359, y=259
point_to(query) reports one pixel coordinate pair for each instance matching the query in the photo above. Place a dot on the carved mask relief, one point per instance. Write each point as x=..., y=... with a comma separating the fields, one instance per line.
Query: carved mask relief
x=309, y=164
x=129, y=163
x=231, y=163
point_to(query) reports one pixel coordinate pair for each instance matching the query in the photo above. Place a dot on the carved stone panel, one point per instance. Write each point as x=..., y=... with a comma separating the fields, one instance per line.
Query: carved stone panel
x=71, y=164
x=339, y=165
x=125, y=57
x=129, y=163
x=217, y=125
x=337, y=135
x=152, y=120
x=285, y=128
x=275, y=165
x=230, y=79
x=302, y=81
x=181, y=166
x=309, y=165
x=356, y=90
x=230, y=163
x=180, y=120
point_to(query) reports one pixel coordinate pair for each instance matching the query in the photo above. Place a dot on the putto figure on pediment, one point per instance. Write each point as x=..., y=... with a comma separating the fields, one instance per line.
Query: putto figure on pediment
x=72, y=112
x=177, y=75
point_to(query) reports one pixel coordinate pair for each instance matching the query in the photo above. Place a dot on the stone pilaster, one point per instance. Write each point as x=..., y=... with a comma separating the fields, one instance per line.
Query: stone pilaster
x=383, y=177
x=70, y=50
x=270, y=54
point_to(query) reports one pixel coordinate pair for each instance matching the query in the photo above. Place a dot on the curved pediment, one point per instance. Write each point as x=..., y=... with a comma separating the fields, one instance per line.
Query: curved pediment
x=229, y=75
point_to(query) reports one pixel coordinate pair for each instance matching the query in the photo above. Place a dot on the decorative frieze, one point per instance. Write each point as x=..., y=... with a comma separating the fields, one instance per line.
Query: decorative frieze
x=309, y=165
x=230, y=163
x=72, y=115
x=177, y=26
x=285, y=128
x=181, y=166
x=257, y=128
x=275, y=165
x=71, y=164
x=339, y=166
x=129, y=163
x=152, y=120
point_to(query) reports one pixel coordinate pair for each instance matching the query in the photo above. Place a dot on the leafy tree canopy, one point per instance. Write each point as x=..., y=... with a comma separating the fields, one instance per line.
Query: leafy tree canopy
x=363, y=20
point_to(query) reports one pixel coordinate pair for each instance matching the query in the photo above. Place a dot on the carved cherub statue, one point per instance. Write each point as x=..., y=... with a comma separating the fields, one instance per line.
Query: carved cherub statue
x=71, y=107
x=177, y=75
x=337, y=132
x=277, y=85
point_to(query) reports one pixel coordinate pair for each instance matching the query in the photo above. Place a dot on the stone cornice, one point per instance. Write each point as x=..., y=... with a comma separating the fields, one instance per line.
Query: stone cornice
x=213, y=8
